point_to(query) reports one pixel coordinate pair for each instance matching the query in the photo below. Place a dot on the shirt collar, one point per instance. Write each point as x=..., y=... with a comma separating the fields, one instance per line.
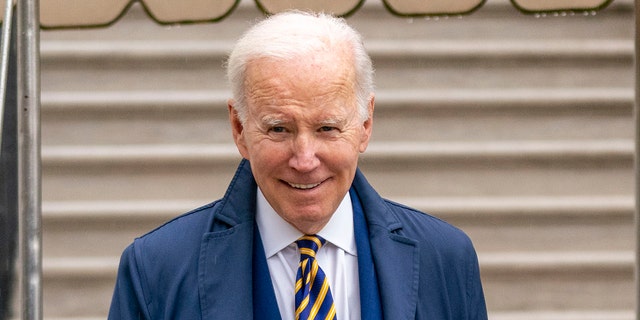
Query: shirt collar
x=277, y=234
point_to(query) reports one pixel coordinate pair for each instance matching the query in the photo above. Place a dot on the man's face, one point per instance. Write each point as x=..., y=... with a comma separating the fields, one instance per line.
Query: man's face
x=303, y=135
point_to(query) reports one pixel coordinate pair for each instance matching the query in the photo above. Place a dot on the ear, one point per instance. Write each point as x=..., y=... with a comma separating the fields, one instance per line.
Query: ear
x=237, y=130
x=367, y=125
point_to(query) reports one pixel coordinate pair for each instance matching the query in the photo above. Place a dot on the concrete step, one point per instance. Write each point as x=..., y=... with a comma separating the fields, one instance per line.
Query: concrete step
x=525, y=281
x=492, y=48
x=525, y=224
x=514, y=282
x=57, y=51
x=124, y=65
x=524, y=168
x=201, y=117
x=496, y=224
x=566, y=315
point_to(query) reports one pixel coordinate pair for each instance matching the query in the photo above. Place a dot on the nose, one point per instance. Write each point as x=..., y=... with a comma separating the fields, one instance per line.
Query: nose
x=304, y=157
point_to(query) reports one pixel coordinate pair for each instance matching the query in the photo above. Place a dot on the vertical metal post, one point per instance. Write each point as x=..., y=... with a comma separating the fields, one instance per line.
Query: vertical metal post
x=9, y=246
x=4, y=66
x=636, y=113
x=29, y=165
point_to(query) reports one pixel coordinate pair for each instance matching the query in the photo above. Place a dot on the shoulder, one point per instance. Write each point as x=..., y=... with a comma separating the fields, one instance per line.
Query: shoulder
x=408, y=222
x=429, y=229
x=158, y=263
x=172, y=249
x=178, y=236
x=448, y=263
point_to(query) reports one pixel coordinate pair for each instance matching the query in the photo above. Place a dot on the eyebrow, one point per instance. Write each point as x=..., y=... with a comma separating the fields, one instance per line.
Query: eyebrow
x=272, y=121
x=332, y=121
x=276, y=121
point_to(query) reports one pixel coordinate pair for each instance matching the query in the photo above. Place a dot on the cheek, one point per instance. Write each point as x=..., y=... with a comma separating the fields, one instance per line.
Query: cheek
x=341, y=156
x=267, y=154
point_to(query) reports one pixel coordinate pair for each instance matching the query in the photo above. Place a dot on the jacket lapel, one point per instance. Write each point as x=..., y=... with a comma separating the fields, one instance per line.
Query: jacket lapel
x=397, y=267
x=225, y=272
x=395, y=257
x=225, y=263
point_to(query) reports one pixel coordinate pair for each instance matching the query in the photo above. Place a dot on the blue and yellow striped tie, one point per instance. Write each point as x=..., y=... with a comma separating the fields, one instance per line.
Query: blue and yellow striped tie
x=313, y=296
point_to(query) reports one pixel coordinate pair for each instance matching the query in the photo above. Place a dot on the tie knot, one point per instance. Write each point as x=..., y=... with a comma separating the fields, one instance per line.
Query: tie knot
x=309, y=246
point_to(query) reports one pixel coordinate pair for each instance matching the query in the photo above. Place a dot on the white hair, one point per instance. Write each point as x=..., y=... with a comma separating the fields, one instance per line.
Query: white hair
x=290, y=35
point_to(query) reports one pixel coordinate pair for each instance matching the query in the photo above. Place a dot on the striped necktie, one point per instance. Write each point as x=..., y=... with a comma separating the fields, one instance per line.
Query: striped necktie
x=313, y=296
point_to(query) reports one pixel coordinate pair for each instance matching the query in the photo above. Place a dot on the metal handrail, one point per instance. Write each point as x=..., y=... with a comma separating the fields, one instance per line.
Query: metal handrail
x=5, y=43
x=636, y=114
x=29, y=158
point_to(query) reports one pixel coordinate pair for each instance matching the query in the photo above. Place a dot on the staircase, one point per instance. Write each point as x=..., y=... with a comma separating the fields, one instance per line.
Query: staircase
x=518, y=129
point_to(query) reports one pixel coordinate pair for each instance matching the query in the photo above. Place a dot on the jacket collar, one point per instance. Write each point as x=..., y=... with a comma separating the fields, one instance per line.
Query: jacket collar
x=225, y=265
x=239, y=202
x=395, y=256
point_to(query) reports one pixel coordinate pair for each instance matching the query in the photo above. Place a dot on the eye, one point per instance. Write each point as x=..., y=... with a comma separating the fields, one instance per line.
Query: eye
x=278, y=129
x=327, y=128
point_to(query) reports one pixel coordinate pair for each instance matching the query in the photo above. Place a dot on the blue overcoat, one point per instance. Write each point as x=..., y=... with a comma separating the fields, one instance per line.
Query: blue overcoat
x=199, y=265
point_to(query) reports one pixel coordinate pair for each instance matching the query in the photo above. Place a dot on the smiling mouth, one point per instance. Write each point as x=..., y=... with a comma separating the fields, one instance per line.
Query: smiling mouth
x=303, y=186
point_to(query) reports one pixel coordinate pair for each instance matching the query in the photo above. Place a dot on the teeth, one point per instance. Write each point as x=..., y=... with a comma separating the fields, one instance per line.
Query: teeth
x=304, y=186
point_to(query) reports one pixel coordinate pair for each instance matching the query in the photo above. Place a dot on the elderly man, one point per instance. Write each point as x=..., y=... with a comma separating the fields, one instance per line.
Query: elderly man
x=300, y=233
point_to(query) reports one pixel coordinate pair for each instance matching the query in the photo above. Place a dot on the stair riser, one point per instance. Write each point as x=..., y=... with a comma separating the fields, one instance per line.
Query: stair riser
x=419, y=178
x=424, y=72
x=560, y=291
x=199, y=125
x=550, y=233
x=108, y=236
x=505, y=290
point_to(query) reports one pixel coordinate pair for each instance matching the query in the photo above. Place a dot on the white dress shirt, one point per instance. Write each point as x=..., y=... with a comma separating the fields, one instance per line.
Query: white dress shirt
x=337, y=258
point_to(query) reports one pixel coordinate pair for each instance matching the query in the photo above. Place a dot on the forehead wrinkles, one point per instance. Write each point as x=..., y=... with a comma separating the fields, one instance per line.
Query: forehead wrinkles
x=260, y=88
x=322, y=85
x=338, y=86
x=274, y=84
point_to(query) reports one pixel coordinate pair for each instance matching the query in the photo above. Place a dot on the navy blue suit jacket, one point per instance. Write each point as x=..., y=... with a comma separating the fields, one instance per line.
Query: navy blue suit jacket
x=199, y=265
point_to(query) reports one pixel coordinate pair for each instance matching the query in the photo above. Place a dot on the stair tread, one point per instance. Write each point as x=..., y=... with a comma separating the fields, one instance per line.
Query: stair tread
x=489, y=262
x=183, y=153
x=214, y=49
x=604, y=98
x=547, y=206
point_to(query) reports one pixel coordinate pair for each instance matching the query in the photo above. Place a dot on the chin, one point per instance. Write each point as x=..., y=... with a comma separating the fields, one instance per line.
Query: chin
x=308, y=218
